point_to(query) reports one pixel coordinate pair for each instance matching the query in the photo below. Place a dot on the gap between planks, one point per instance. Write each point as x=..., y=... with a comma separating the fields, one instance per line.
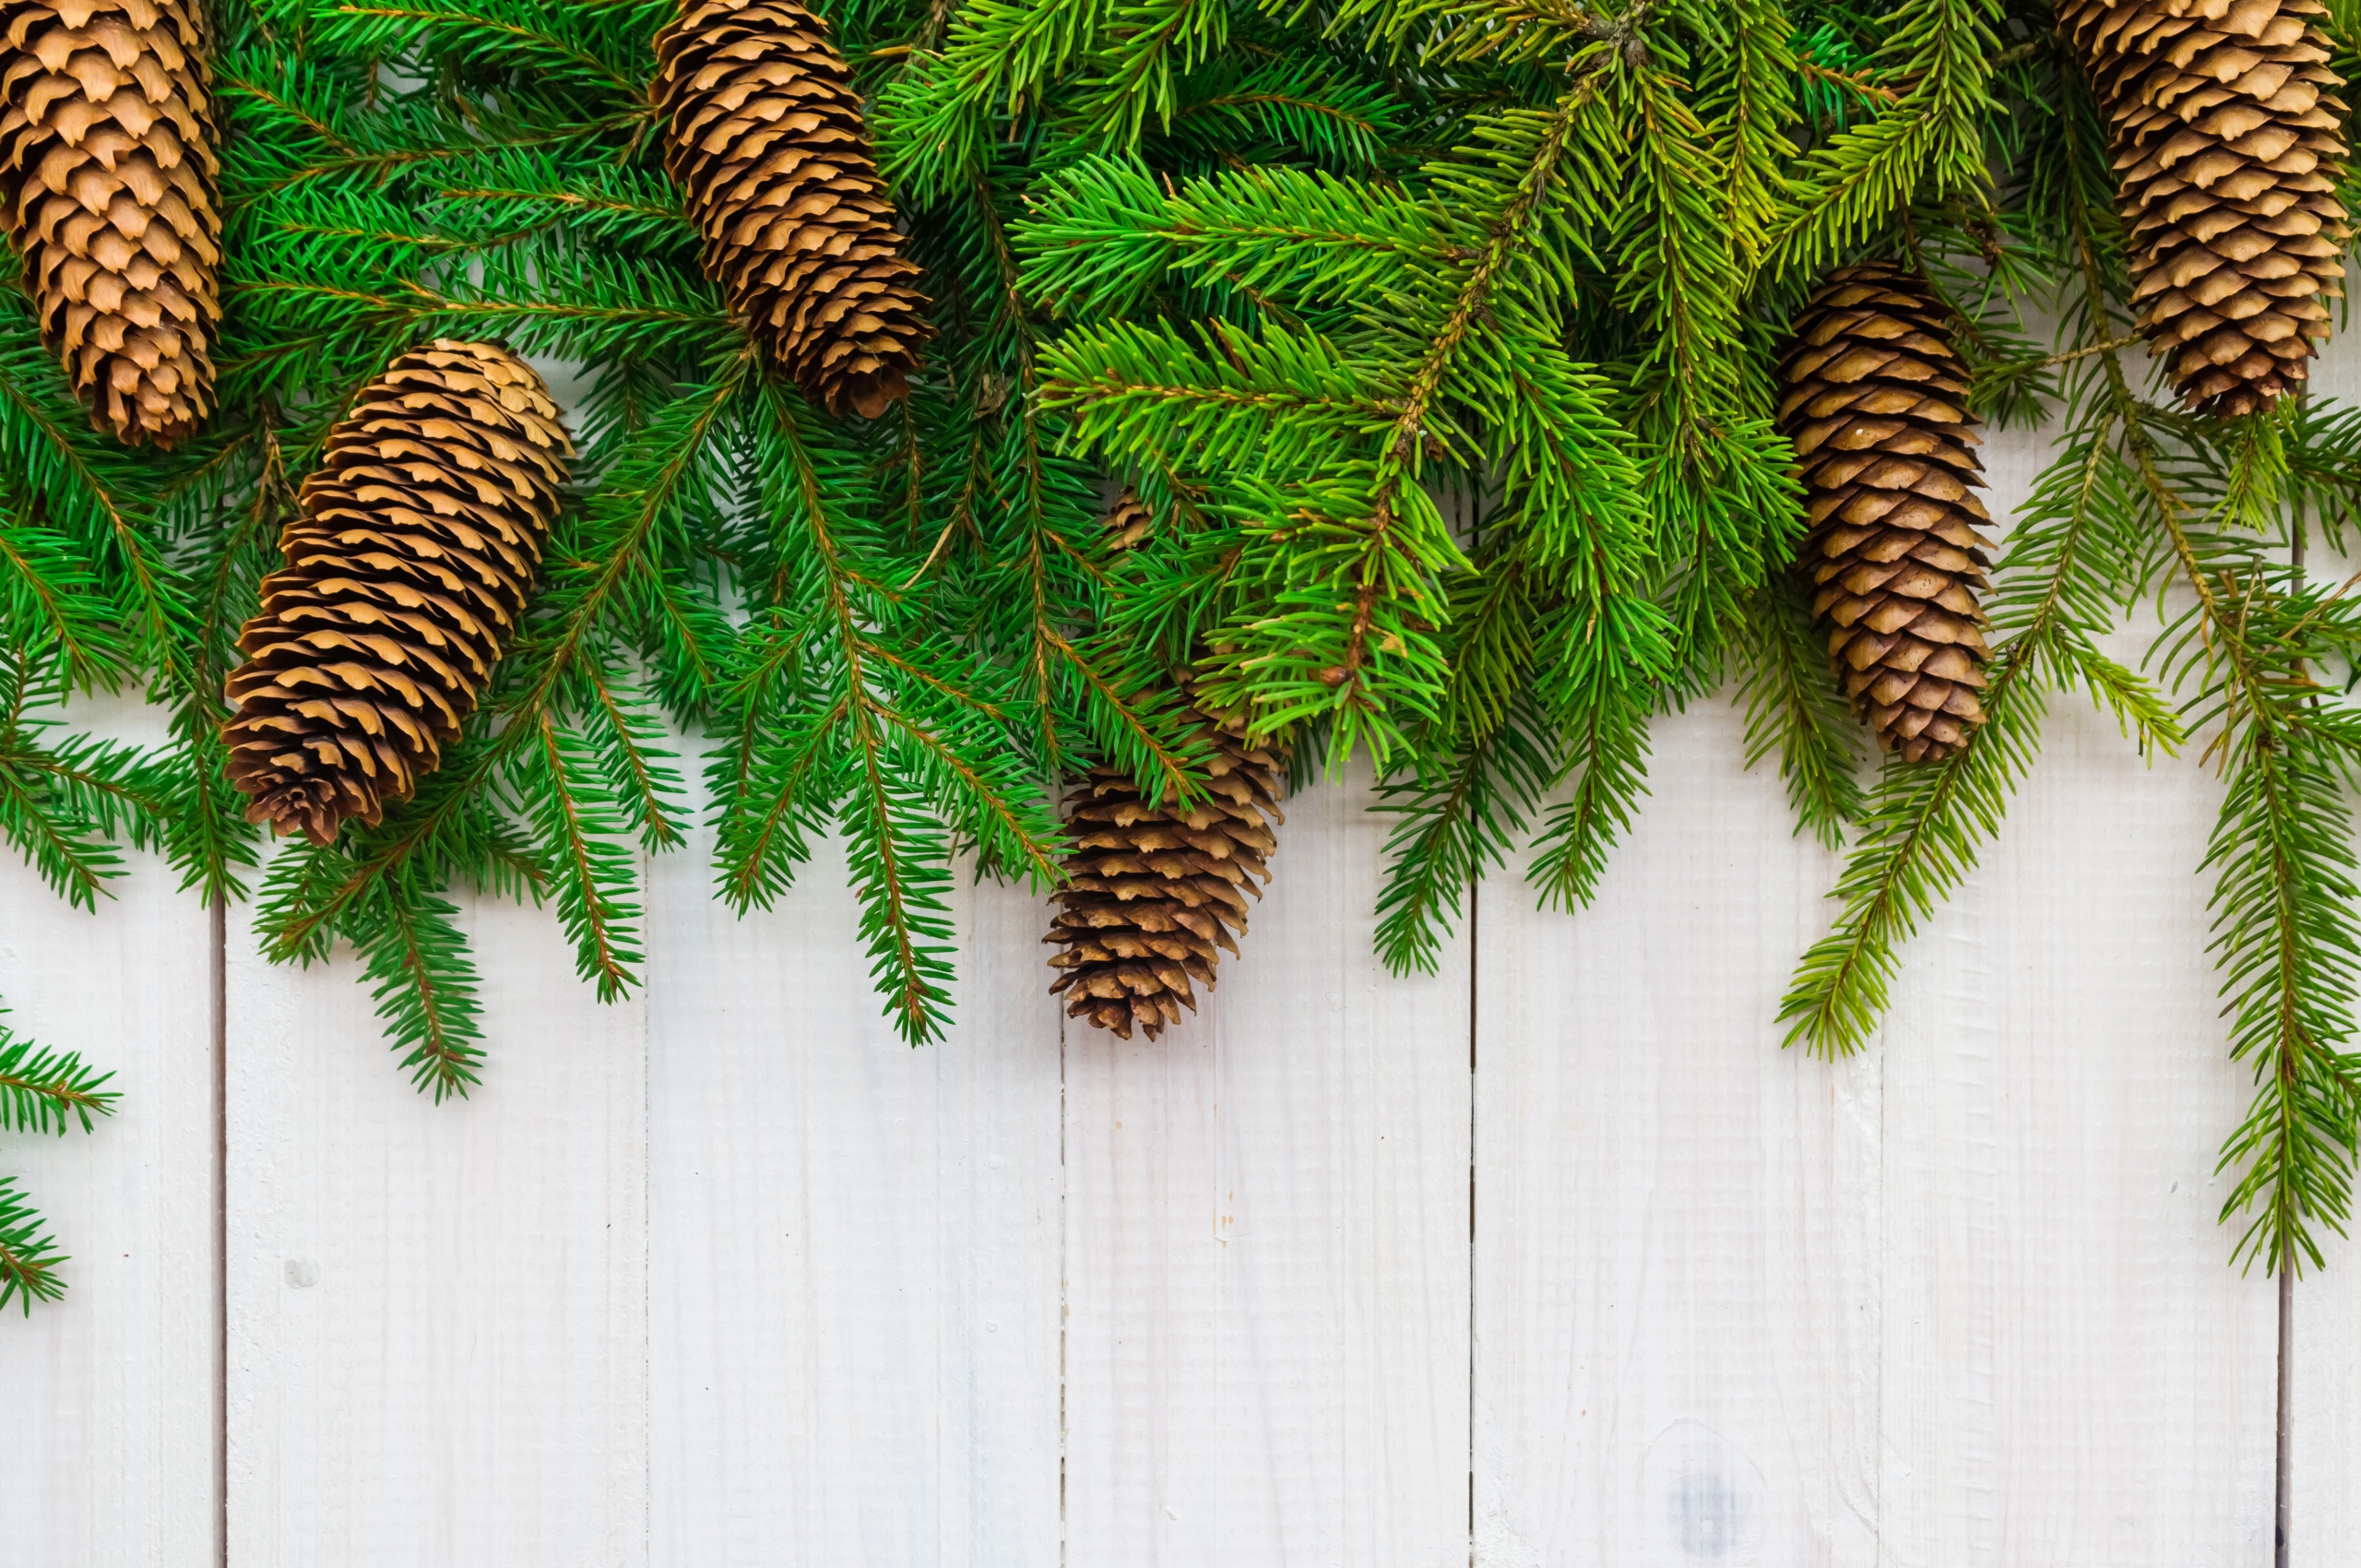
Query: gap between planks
x=217, y=927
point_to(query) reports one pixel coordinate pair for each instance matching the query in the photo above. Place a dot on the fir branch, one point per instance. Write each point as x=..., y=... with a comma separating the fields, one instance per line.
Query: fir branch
x=424, y=982
x=1930, y=142
x=46, y=1090
x=1452, y=825
x=29, y=1255
x=1792, y=708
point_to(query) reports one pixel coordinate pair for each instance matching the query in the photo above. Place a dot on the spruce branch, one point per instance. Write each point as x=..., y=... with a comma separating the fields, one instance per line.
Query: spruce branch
x=29, y=1255
x=42, y=1090
x=1793, y=709
x=1932, y=139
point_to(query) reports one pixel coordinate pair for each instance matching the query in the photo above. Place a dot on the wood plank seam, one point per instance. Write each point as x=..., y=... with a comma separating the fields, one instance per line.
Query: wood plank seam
x=217, y=930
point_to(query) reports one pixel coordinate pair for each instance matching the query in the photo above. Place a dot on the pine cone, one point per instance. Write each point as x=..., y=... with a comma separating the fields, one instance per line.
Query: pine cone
x=2224, y=134
x=409, y=566
x=1152, y=891
x=1876, y=403
x=764, y=134
x=107, y=174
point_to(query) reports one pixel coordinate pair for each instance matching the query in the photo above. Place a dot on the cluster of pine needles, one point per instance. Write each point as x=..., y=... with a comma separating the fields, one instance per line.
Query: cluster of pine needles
x=1436, y=336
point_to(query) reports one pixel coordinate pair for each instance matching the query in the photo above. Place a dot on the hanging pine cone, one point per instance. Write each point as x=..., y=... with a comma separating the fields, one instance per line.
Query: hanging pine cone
x=409, y=566
x=1876, y=403
x=107, y=174
x=2225, y=135
x=1153, y=891
x=764, y=134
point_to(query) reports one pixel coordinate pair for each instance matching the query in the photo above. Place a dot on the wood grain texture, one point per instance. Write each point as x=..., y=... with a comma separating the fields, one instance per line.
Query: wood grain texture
x=110, y=1392
x=438, y=1312
x=2073, y=1374
x=1959, y=1300
x=2325, y=1350
x=2324, y=1525
x=1676, y=1319
x=1266, y=1247
x=856, y=1252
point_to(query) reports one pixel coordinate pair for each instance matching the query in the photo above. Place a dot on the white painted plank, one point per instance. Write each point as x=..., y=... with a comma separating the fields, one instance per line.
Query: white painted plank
x=111, y=1390
x=855, y=1245
x=2324, y=1351
x=2325, y=1524
x=2073, y=1374
x=1267, y=1359
x=1962, y=1301
x=1676, y=1308
x=438, y=1312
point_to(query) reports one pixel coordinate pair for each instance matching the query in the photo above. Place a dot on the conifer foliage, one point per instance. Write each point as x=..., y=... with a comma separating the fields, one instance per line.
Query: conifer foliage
x=1445, y=345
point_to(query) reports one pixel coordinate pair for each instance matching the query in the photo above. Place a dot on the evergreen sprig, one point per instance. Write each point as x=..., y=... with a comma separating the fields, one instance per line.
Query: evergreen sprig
x=42, y=1090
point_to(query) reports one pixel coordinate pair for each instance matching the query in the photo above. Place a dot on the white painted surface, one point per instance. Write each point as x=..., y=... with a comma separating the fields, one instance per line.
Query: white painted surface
x=728, y=1275
x=1676, y=1312
x=2325, y=1464
x=855, y=1266
x=109, y=1455
x=438, y=1352
x=1266, y=1247
x=2071, y=1372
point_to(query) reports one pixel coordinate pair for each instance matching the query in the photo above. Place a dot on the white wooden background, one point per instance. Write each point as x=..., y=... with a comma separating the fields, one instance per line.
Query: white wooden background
x=1554, y=1259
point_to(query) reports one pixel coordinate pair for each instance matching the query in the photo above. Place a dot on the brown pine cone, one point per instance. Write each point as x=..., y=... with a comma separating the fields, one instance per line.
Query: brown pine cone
x=2225, y=135
x=1876, y=403
x=107, y=174
x=764, y=134
x=408, y=566
x=1152, y=891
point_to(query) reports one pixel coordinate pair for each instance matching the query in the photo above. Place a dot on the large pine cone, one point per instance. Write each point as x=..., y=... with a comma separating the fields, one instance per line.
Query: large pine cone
x=409, y=566
x=764, y=134
x=1875, y=400
x=1152, y=891
x=2225, y=134
x=107, y=174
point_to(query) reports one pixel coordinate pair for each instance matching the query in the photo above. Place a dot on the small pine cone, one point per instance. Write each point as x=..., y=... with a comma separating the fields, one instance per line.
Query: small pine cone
x=107, y=174
x=2224, y=134
x=765, y=134
x=1876, y=403
x=409, y=566
x=1152, y=891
